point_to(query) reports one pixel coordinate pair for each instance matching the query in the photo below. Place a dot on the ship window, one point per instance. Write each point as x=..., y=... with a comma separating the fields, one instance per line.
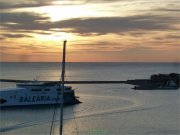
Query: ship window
x=68, y=88
x=47, y=89
x=36, y=89
x=14, y=96
x=59, y=89
x=2, y=101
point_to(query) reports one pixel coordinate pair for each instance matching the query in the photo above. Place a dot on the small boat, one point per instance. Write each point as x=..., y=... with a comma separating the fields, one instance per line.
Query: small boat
x=38, y=93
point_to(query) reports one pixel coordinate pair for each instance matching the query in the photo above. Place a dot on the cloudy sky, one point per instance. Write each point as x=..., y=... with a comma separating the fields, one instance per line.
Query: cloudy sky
x=96, y=30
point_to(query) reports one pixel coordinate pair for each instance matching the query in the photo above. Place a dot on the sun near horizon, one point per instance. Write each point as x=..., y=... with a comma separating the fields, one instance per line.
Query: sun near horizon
x=96, y=31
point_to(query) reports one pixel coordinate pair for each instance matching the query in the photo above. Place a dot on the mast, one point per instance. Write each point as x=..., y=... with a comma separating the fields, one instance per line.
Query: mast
x=62, y=87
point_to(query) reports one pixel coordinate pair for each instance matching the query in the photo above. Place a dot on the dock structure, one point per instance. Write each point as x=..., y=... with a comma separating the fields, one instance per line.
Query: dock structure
x=66, y=82
x=139, y=84
x=93, y=82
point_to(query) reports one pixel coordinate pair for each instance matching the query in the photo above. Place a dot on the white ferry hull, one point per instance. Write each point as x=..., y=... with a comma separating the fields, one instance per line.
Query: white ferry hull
x=24, y=97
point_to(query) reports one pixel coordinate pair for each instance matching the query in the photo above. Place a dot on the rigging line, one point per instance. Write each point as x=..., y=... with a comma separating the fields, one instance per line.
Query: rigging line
x=54, y=113
x=54, y=116
x=75, y=121
x=67, y=74
x=66, y=78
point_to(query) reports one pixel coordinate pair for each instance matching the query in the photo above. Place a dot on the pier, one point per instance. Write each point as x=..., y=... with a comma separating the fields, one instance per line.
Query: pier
x=66, y=82
x=156, y=82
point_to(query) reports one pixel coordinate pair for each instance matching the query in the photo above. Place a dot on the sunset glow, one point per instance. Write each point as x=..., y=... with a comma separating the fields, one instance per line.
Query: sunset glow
x=97, y=31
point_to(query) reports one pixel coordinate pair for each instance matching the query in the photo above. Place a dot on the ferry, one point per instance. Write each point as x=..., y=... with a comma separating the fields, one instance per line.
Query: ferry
x=36, y=93
x=39, y=93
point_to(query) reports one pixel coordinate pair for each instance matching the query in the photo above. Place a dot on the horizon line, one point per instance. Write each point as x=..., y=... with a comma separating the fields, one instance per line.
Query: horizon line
x=90, y=62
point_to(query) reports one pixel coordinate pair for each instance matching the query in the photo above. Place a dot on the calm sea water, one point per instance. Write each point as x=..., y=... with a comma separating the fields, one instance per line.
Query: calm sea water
x=106, y=109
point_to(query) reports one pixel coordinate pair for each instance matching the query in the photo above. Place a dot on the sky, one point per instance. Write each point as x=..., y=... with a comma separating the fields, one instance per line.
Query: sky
x=95, y=30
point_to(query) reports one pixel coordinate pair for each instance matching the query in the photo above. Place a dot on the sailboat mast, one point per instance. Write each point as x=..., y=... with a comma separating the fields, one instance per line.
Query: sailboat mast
x=62, y=86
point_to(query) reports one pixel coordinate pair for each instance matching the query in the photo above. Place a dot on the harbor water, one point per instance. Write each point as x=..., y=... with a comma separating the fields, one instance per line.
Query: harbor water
x=106, y=109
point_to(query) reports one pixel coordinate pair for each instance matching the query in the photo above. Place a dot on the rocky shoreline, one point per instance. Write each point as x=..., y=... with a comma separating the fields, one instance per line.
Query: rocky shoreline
x=157, y=82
